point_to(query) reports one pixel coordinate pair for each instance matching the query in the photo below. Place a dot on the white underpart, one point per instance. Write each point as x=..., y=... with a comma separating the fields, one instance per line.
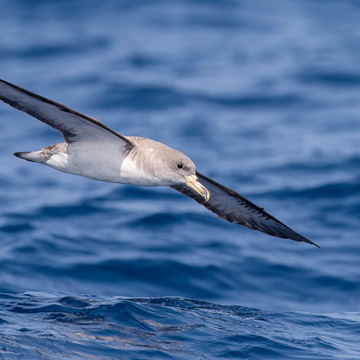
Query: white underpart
x=132, y=173
x=94, y=159
x=100, y=161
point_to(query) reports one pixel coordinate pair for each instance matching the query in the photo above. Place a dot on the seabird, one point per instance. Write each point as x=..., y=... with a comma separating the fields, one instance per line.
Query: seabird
x=93, y=150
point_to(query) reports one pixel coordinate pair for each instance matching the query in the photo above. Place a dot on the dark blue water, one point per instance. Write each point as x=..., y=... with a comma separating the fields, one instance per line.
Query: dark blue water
x=265, y=98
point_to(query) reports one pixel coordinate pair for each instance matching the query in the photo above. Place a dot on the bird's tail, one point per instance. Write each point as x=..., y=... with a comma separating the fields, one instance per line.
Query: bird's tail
x=34, y=156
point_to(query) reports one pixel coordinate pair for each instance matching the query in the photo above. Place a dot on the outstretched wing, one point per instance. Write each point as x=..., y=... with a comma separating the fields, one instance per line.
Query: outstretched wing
x=73, y=125
x=233, y=207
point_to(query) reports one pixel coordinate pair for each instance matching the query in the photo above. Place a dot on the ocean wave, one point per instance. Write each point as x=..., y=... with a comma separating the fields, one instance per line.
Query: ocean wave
x=166, y=328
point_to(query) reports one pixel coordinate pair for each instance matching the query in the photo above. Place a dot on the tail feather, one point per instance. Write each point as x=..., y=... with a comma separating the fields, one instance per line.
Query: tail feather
x=33, y=156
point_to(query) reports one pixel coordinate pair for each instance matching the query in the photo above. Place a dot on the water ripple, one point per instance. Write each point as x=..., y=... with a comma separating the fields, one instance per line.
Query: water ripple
x=169, y=327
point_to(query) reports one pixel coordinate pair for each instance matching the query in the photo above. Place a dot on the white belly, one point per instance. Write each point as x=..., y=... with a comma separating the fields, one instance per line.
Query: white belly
x=99, y=161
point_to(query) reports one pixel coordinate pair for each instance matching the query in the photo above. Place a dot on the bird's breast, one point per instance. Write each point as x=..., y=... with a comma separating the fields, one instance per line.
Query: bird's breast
x=134, y=171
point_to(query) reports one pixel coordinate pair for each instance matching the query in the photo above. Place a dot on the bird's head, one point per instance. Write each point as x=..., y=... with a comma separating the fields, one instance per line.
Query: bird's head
x=181, y=171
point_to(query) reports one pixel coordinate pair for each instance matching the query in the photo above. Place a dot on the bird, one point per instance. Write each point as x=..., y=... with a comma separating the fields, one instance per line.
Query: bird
x=91, y=149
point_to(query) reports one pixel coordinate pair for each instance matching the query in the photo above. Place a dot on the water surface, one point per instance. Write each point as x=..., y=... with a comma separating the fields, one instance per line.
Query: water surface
x=265, y=99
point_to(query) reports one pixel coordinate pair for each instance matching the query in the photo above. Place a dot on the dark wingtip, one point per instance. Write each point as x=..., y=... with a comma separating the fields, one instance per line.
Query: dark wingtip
x=309, y=242
x=319, y=247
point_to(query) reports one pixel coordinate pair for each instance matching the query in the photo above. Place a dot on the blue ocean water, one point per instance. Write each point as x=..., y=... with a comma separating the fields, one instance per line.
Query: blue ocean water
x=264, y=97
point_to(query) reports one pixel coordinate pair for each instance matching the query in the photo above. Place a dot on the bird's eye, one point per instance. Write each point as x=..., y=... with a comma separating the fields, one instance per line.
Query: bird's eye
x=180, y=165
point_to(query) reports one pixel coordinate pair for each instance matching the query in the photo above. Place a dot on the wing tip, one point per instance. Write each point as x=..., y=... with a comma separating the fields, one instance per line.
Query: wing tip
x=300, y=238
x=311, y=243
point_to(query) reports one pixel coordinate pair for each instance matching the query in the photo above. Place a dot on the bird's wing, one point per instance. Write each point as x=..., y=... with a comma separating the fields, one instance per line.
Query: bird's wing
x=233, y=207
x=73, y=125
